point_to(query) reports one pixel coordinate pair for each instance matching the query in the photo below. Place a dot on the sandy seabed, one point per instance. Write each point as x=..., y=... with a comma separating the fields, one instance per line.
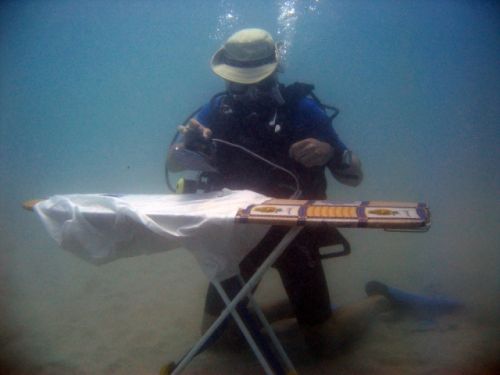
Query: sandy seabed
x=61, y=316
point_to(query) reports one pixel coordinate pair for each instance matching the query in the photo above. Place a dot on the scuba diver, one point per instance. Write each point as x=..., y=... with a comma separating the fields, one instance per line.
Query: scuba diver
x=276, y=140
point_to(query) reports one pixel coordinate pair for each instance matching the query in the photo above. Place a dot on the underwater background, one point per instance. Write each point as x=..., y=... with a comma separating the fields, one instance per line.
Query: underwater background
x=91, y=93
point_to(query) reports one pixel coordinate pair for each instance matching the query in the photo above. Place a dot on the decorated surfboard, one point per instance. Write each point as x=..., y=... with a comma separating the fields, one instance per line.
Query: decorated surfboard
x=362, y=214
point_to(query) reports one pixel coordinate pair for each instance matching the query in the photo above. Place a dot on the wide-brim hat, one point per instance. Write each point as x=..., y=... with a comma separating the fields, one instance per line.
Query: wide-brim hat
x=247, y=57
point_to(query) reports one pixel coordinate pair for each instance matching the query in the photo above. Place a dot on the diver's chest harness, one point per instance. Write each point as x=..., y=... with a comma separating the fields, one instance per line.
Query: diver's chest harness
x=242, y=134
x=265, y=123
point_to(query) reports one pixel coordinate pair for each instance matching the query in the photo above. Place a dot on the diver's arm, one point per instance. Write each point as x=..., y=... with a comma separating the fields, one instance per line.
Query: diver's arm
x=345, y=166
x=193, y=145
x=195, y=133
x=348, y=171
x=329, y=149
x=311, y=152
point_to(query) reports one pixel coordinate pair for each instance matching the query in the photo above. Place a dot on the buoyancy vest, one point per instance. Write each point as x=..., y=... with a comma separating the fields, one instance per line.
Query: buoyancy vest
x=268, y=132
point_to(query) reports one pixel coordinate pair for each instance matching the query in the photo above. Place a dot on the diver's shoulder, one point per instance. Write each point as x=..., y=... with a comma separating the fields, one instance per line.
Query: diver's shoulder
x=307, y=105
x=307, y=102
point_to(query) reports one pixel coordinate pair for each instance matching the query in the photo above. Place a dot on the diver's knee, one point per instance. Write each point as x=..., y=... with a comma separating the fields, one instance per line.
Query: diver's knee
x=206, y=322
x=344, y=326
x=226, y=336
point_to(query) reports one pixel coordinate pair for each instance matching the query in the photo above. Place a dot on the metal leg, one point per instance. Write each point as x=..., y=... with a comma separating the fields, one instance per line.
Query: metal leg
x=270, y=332
x=250, y=284
x=245, y=331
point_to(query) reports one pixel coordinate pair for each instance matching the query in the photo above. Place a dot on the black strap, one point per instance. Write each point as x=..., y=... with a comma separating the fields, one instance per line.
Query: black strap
x=298, y=90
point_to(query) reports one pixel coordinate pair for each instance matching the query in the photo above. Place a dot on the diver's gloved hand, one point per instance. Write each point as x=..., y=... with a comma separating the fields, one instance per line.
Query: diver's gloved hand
x=311, y=152
x=196, y=136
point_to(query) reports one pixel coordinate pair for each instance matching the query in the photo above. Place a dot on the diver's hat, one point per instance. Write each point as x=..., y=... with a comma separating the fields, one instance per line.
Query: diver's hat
x=247, y=57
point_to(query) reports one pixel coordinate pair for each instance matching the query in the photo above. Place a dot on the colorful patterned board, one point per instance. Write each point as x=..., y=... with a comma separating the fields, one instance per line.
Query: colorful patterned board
x=370, y=214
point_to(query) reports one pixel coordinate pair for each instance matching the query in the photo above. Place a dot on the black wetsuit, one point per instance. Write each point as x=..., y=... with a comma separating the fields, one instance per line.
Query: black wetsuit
x=299, y=266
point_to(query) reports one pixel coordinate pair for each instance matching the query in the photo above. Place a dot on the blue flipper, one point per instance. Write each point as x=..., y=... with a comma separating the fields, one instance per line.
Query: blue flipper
x=415, y=303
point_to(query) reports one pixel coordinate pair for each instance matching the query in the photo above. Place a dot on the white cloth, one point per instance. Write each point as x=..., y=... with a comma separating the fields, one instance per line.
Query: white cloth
x=101, y=228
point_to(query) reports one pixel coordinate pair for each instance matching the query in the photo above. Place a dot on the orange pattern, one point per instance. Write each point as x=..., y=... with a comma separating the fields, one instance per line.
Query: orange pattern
x=331, y=211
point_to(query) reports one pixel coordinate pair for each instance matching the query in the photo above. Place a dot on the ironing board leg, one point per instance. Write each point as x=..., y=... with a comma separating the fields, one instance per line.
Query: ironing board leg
x=244, y=330
x=250, y=284
x=267, y=327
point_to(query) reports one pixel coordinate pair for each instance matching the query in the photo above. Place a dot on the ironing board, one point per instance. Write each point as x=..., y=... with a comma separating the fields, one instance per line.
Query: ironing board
x=103, y=227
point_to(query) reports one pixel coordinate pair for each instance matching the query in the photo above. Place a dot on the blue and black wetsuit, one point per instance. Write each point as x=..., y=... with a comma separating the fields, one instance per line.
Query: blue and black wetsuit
x=251, y=128
x=270, y=132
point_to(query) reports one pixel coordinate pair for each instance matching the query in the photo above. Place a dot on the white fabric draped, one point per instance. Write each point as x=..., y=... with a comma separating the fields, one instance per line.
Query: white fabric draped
x=100, y=228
